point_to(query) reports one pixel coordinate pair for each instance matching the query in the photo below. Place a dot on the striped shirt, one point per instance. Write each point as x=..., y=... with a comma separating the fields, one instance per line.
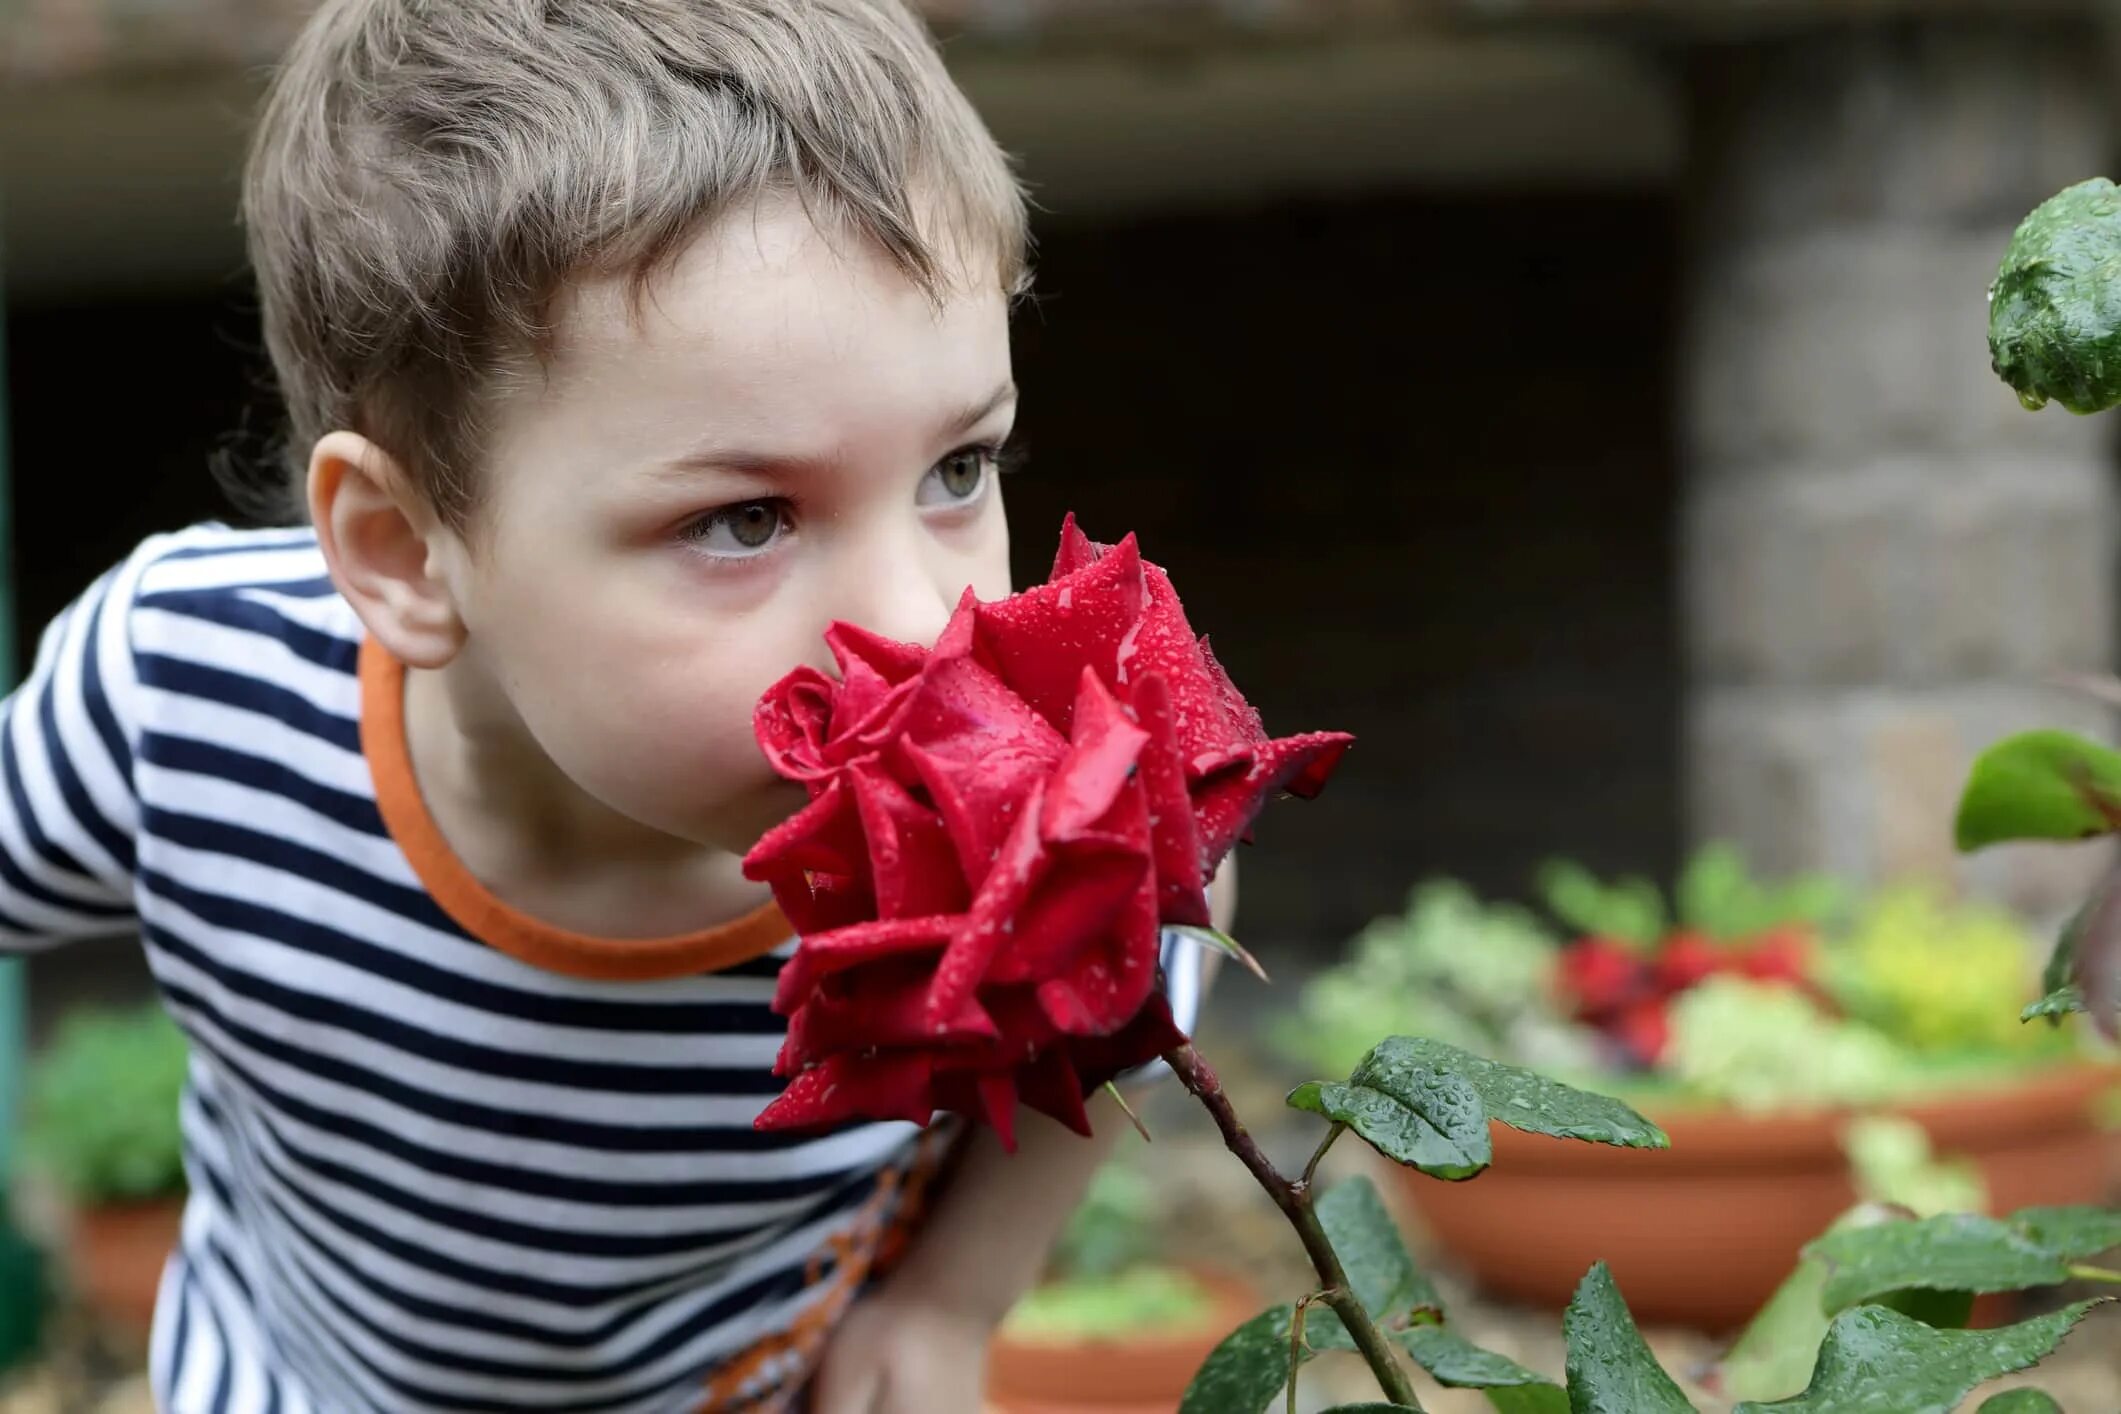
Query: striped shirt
x=441, y=1156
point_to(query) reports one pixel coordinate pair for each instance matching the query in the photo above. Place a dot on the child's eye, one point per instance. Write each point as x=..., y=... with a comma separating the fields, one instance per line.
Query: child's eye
x=739, y=531
x=957, y=478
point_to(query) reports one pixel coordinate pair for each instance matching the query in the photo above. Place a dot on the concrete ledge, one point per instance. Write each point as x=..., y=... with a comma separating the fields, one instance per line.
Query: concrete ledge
x=131, y=184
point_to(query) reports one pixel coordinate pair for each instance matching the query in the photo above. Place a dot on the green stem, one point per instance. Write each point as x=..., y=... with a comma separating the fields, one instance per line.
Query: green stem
x=2100, y=1274
x=1296, y=1344
x=1324, y=1144
x=1194, y=1072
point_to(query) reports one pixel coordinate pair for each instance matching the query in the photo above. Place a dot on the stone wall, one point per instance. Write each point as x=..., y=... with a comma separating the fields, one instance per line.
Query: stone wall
x=1885, y=556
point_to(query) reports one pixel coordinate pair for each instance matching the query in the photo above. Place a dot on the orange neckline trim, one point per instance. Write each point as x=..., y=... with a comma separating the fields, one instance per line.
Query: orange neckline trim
x=483, y=915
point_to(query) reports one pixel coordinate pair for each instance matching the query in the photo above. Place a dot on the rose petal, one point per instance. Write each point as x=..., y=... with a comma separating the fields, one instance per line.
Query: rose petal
x=910, y=856
x=1181, y=880
x=824, y=835
x=992, y=917
x=1107, y=982
x=1077, y=550
x=1050, y=1085
x=858, y=651
x=1040, y=641
x=976, y=748
x=891, y=1014
x=824, y=903
x=997, y=1095
x=822, y=955
x=1100, y=761
x=1075, y=909
x=1226, y=800
x=1149, y=1035
x=881, y=1087
x=792, y=722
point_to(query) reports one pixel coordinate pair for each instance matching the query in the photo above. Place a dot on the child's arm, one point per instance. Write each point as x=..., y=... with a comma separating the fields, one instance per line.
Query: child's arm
x=918, y=1346
x=68, y=812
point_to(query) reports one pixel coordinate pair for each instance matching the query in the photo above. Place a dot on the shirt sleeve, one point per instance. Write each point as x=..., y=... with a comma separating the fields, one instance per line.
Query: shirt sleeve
x=69, y=815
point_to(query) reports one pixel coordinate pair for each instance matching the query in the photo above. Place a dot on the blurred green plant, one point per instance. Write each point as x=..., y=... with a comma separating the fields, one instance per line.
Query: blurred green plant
x=1892, y=1161
x=102, y=1118
x=1926, y=973
x=1763, y=1046
x=1476, y=975
x=1105, y=1278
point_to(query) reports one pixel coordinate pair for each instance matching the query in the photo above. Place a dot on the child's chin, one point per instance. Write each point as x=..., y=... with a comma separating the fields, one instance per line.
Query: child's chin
x=758, y=811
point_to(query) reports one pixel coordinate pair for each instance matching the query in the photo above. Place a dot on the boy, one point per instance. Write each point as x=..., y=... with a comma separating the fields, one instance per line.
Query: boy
x=625, y=344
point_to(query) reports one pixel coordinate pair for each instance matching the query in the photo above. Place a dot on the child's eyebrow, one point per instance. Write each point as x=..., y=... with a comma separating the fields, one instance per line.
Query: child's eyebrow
x=767, y=464
x=974, y=415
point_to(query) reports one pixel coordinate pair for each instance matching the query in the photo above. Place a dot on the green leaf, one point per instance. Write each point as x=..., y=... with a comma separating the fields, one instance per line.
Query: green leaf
x=2042, y=785
x=1611, y=1370
x=1630, y=910
x=1456, y=1363
x=2072, y=1232
x=1529, y=1399
x=1424, y=1118
x=2021, y=1401
x=2058, y=980
x=2061, y=967
x=1371, y=1250
x=1244, y=1373
x=1718, y=896
x=1374, y=1256
x=1371, y=1408
x=2056, y=1005
x=1519, y=1098
x=1218, y=941
x=2054, y=310
x=1877, y=1361
x=1962, y=1252
x=1946, y=1310
x=1773, y=1357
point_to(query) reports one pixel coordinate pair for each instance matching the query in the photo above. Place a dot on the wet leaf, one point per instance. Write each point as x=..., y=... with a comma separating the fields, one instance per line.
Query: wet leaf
x=1968, y=1252
x=1456, y=1363
x=1374, y=1256
x=1519, y=1098
x=1877, y=1361
x=2021, y=1401
x=1611, y=1370
x=1244, y=1373
x=1419, y=1116
x=2040, y=785
x=2054, y=321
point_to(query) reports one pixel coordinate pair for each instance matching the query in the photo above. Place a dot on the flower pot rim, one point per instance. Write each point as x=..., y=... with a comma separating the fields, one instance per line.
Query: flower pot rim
x=1228, y=1291
x=1708, y=1136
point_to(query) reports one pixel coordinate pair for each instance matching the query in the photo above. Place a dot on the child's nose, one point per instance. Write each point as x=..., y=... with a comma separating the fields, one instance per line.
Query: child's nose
x=901, y=596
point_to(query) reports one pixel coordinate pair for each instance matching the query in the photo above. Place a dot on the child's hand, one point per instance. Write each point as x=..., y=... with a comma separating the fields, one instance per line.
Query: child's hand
x=903, y=1355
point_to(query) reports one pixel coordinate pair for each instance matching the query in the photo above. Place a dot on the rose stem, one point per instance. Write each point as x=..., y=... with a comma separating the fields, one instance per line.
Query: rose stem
x=1294, y=1199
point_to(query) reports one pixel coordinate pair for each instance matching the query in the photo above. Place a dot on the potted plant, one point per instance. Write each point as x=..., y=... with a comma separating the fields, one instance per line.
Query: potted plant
x=102, y=1126
x=1752, y=1022
x=1113, y=1328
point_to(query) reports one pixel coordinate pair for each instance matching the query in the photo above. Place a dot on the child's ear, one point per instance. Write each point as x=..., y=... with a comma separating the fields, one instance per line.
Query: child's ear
x=386, y=549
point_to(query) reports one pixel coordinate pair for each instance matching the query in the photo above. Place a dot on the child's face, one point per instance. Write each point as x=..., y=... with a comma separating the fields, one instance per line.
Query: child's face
x=785, y=432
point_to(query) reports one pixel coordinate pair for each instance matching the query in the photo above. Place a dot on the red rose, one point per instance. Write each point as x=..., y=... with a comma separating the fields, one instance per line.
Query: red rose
x=1687, y=960
x=998, y=828
x=1785, y=955
x=1600, y=976
x=1644, y=1030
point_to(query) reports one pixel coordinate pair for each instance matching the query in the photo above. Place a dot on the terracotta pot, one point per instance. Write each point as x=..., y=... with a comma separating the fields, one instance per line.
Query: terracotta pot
x=116, y=1253
x=1139, y=1374
x=1701, y=1234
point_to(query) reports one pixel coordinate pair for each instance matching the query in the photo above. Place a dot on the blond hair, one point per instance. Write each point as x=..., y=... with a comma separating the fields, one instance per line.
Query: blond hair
x=427, y=176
